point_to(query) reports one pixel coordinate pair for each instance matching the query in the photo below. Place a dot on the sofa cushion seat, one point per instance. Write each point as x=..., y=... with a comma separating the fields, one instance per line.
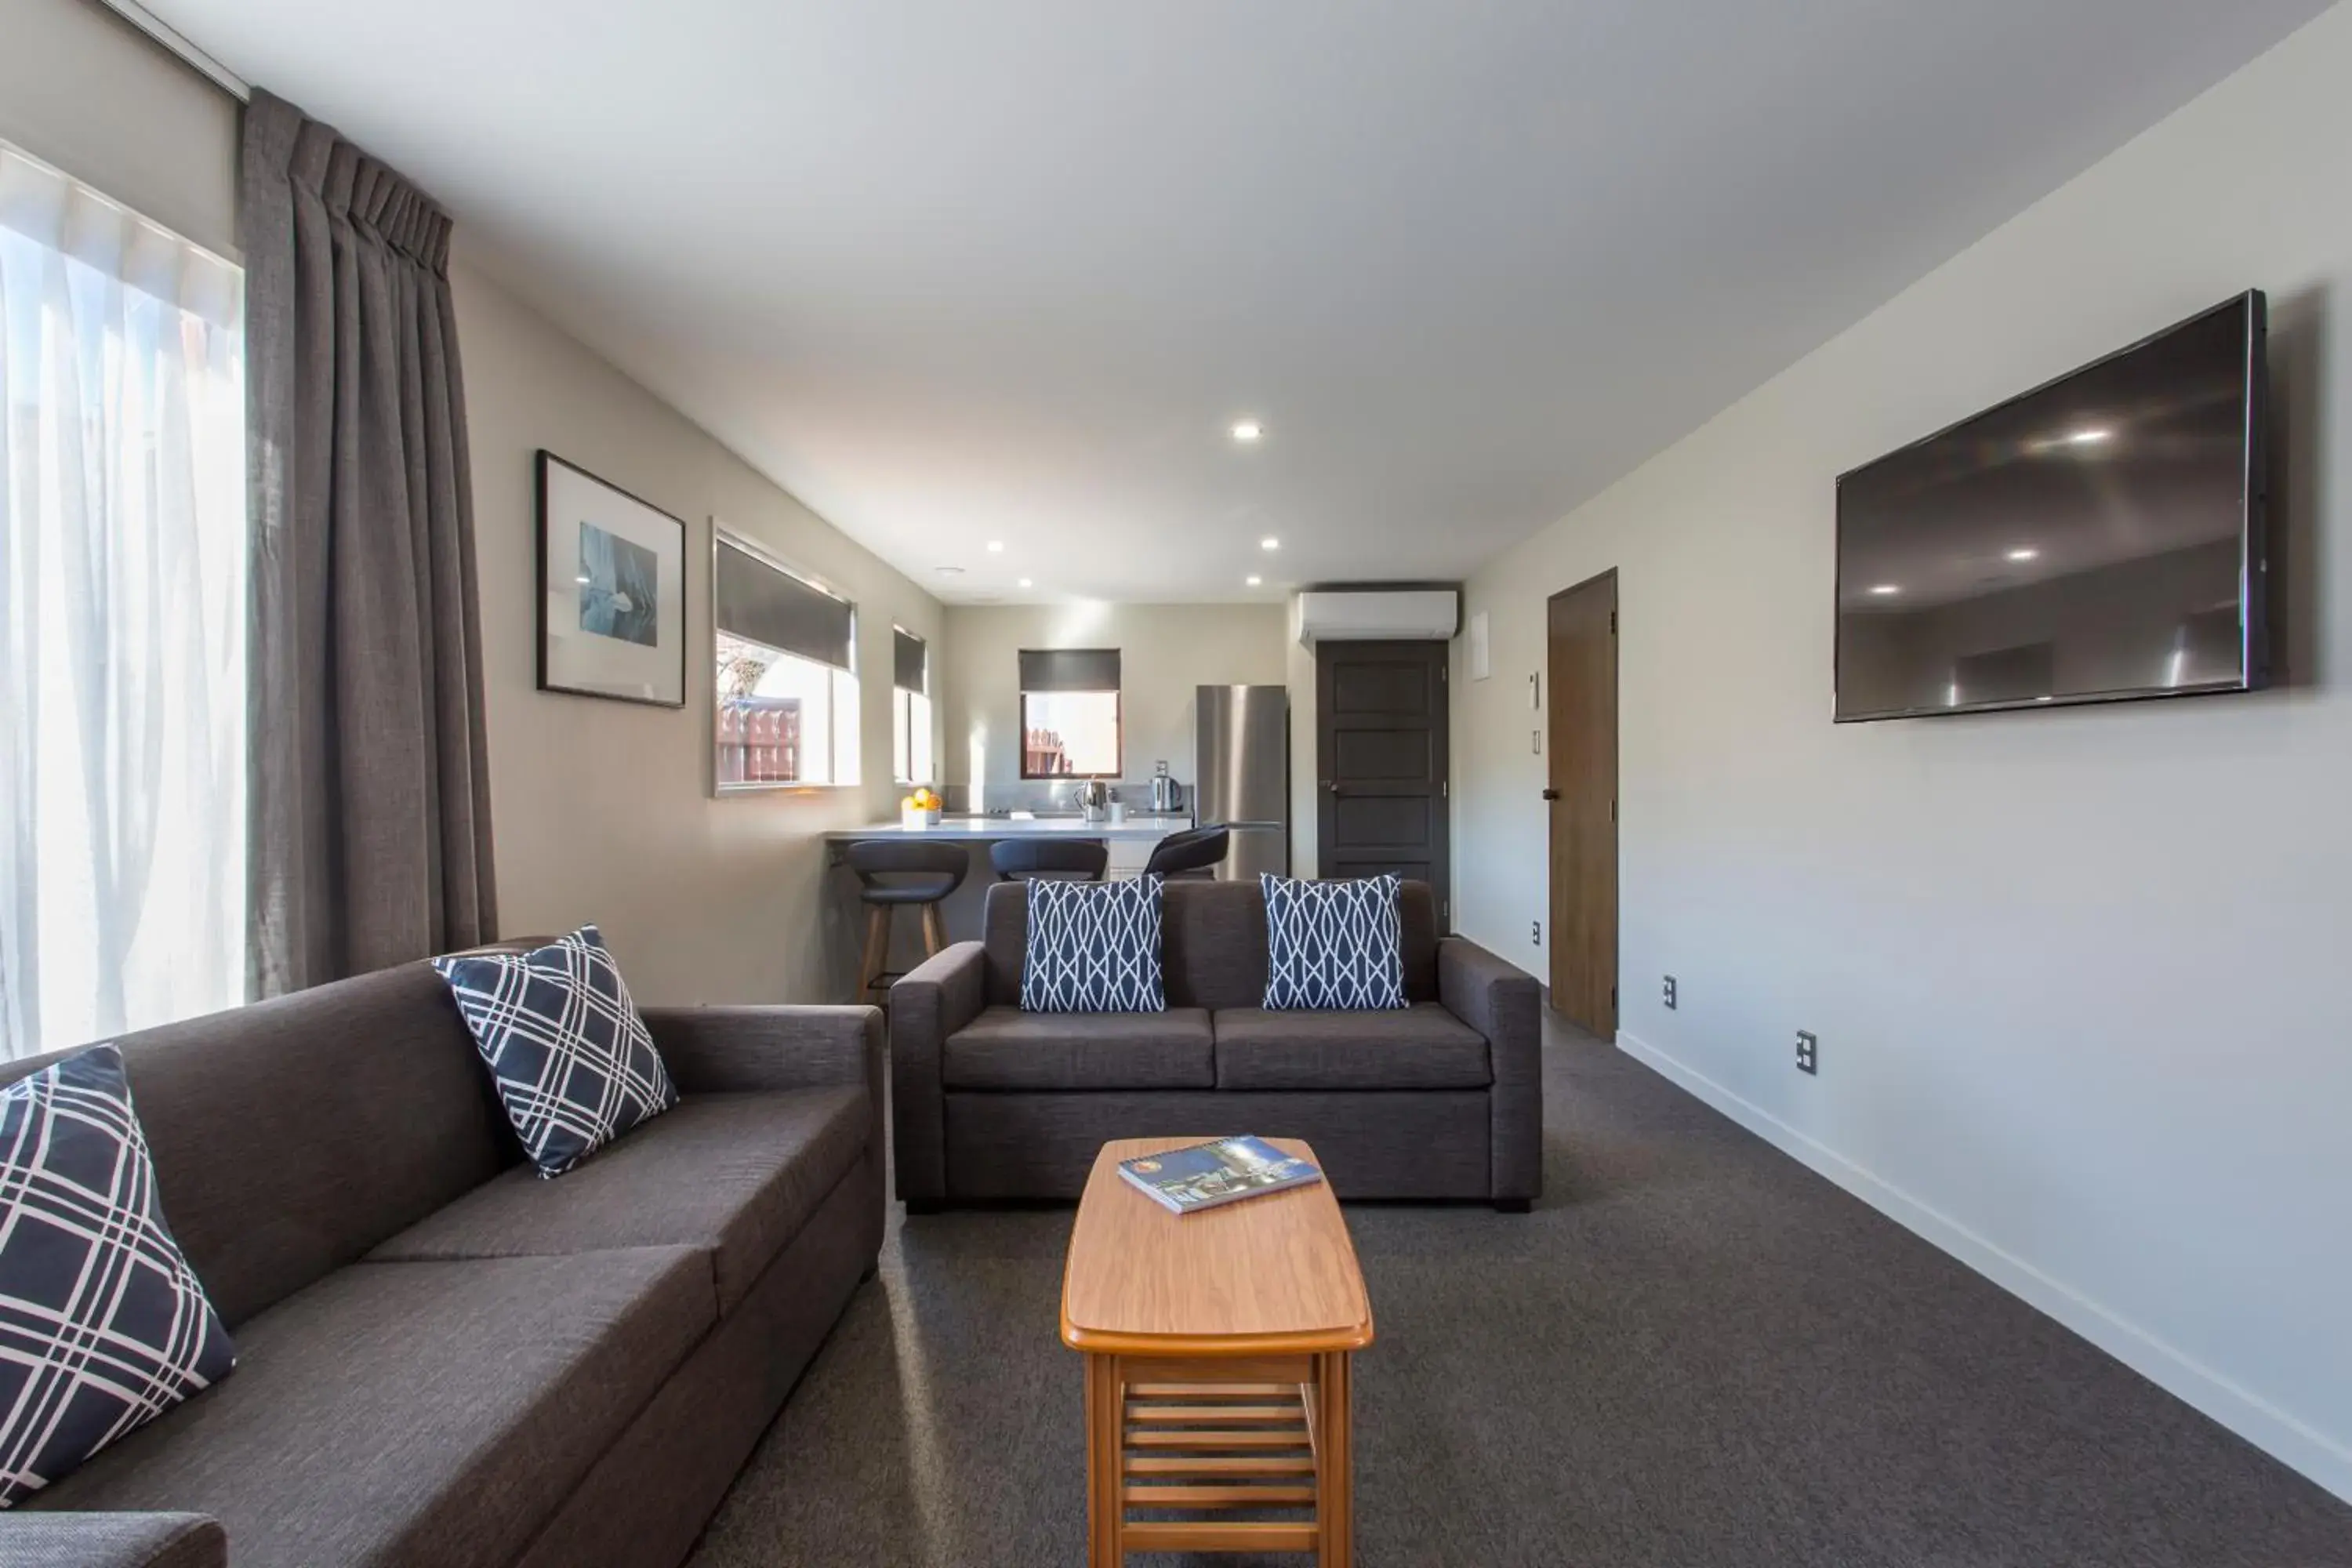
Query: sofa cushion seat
x=1420, y=1046
x=733, y=1175
x=1005, y=1048
x=402, y=1413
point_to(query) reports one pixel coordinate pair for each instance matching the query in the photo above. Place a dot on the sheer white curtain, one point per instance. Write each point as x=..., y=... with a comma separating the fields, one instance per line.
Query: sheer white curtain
x=122, y=619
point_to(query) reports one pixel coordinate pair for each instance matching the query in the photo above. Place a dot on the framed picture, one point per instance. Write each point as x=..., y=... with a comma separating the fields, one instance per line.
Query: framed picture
x=612, y=591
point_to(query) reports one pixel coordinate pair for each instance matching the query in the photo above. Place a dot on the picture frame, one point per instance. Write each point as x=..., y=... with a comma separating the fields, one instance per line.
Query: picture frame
x=612, y=590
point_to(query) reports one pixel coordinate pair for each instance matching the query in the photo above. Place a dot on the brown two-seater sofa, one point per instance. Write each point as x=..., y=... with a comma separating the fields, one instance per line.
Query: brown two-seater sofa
x=1443, y=1099
x=443, y=1360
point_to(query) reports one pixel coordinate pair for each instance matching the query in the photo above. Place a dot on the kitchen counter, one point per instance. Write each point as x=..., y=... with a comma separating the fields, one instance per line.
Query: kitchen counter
x=963, y=913
x=971, y=828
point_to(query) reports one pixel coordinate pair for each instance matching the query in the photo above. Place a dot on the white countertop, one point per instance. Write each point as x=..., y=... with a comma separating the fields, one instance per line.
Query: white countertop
x=978, y=827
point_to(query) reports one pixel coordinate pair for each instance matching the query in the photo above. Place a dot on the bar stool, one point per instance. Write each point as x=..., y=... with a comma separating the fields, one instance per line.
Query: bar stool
x=1195, y=850
x=1049, y=859
x=893, y=872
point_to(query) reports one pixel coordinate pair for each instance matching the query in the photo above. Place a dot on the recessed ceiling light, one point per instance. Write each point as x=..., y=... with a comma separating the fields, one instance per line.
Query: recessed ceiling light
x=1883, y=589
x=1252, y=579
x=1248, y=430
x=1269, y=542
x=996, y=547
x=2025, y=553
x=2089, y=438
x=1025, y=582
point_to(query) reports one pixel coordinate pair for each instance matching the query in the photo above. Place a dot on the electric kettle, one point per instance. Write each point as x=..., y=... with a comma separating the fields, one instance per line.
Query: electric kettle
x=1167, y=794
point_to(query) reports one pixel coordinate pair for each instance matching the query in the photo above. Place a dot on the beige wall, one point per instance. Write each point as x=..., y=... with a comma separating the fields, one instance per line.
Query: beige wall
x=1165, y=651
x=84, y=90
x=603, y=811
x=2076, y=973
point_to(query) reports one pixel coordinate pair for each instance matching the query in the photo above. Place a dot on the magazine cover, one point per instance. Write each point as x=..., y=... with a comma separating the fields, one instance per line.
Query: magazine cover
x=1217, y=1171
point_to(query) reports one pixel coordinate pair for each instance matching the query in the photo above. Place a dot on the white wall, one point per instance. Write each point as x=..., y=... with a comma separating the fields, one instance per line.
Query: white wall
x=602, y=810
x=82, y=89
x=2077, y=974
x=1165, y=651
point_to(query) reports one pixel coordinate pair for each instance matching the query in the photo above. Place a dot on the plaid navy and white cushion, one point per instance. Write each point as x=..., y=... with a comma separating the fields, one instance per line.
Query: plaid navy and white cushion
x=1332, y=946
x=104, y=1326
x=1093, y=947
x=574, y=1066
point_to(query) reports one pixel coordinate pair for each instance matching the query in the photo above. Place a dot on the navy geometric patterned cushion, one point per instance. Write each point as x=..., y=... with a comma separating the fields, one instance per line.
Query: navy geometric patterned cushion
x=1332, y=946
x=1093, y=947
x=572, y=1062
x=104, y=1326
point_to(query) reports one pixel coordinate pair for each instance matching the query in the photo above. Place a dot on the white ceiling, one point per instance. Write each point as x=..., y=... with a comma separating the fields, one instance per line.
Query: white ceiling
x=953, y=272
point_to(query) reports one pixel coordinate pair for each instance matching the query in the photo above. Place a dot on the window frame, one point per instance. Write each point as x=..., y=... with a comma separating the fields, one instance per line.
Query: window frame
x=902, y=714
x=720, y=534
x=1117, y=695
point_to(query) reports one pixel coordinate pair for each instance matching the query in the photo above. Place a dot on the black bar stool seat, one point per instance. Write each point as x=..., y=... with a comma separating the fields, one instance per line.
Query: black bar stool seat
x=1195, y=850
x=895, y=873
x=1059, y=859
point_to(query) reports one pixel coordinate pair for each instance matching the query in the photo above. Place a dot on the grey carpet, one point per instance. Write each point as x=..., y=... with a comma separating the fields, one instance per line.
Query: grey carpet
x=1693, y=1352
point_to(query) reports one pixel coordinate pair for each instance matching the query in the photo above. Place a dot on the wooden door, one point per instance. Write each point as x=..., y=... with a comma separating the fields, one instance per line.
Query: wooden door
x=1581, y=772
x=1381, y=761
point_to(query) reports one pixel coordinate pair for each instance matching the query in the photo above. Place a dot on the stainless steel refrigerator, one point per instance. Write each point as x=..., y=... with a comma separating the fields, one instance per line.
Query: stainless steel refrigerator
x=1243, y=754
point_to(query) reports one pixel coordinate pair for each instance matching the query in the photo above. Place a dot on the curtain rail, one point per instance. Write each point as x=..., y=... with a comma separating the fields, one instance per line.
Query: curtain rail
x=172, y=38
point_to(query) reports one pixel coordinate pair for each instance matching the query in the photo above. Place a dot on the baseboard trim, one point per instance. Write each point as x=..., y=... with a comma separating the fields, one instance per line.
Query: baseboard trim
x=2269, y=1429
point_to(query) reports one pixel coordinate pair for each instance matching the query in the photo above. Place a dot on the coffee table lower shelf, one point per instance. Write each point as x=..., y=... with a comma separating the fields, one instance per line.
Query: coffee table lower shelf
x=1218, y=1454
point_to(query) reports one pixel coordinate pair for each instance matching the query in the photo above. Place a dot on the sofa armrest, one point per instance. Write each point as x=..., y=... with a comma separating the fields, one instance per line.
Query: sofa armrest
x=112, y=1541
x=1502, y=1002
x=931, y=1001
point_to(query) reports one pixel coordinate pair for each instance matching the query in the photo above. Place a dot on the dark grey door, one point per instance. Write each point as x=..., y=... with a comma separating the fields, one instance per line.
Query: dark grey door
x=1380, y=759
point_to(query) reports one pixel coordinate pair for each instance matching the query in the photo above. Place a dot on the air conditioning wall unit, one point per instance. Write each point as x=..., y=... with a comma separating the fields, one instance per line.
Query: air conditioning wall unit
x=1377, y=614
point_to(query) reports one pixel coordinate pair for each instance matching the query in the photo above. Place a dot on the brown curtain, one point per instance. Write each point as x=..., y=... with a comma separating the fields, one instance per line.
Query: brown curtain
x=370, y=822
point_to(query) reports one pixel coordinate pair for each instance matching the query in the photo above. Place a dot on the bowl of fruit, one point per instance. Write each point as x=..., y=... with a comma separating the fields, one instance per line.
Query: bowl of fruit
x=920, y=810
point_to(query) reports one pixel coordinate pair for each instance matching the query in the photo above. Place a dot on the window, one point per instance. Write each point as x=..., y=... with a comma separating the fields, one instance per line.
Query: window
x=1069, y=713
x=911, y=708
x=787, y=674
x=122, y=572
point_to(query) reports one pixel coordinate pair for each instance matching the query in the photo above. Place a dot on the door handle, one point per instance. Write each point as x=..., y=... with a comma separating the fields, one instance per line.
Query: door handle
x=1551, y=794
x=1331, y=785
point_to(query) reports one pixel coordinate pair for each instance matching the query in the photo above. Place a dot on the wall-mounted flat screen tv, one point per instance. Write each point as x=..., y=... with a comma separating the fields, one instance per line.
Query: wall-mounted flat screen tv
x=2097, y=538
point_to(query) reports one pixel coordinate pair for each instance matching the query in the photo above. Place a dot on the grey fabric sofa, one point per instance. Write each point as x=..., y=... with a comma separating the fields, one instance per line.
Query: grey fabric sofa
x=1442, y=1099
x=443, y=1360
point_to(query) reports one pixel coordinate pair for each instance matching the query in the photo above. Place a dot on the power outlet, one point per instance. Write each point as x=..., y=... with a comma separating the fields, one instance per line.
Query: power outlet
x=1535, y=933
x=1670, y=992
x=1808, y=1052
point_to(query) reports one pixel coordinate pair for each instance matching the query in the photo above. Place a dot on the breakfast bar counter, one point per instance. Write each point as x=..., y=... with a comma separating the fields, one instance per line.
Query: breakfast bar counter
x=1153, y=828
x=1130, y=843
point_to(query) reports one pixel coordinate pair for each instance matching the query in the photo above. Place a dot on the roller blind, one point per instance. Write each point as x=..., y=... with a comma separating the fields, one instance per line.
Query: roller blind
x=1069, y=669
x=772, y=606
x=908, y=661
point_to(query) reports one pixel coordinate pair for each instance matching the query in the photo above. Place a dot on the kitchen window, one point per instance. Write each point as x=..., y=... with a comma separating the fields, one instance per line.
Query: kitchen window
x=1070, y=713
x=123, y=555
x=911, y=708
x=786, y=650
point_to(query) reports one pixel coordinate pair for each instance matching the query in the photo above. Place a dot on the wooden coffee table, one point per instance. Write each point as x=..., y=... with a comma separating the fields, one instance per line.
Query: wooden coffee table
x=1217, y=1351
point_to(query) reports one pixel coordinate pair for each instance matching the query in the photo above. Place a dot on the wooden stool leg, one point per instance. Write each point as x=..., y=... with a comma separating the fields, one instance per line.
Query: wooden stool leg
x=935, y=928
x=1335, y=1503
x=1105, y=1504
x=877, y=956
